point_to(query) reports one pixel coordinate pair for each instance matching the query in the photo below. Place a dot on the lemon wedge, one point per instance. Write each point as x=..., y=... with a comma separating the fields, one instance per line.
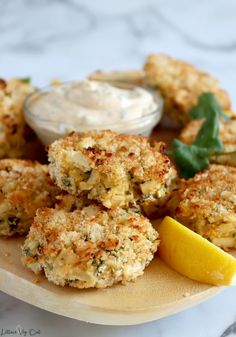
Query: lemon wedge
x=193, y=256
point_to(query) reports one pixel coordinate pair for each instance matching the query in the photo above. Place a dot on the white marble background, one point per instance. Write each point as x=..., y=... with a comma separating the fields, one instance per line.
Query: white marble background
x=70, y=38
x=67, y=39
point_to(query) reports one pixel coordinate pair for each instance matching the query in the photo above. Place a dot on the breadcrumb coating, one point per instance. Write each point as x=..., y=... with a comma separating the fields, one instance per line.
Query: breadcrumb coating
x=89, y=247
x=114, y=169
x=207, y=205
x=181, y=84
x=24, y=187
x=17, y=140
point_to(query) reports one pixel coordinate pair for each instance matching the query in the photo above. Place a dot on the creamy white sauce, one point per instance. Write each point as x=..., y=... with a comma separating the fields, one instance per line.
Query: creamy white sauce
x=92, y=103
x=87, y=105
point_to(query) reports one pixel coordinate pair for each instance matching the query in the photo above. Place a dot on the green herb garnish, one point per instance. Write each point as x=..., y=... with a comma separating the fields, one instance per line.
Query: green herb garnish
x=209, y=109
x=147, y=196
x=26, y=251
x=13, y=221
x=26, y=80
x=66, y=181
x=191, y=159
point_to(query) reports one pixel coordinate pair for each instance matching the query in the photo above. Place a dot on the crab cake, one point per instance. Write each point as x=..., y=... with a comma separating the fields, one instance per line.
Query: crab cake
x=24, y=187
x=90, y=247
x=227, y=135
x=17, y=140
x=181, y=84
x=69, y=202
x=129, y=77
x=114, y=169
x=207, y=205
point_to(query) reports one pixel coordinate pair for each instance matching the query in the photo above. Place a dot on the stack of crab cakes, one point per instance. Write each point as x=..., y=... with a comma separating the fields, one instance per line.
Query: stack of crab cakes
x=97, y=236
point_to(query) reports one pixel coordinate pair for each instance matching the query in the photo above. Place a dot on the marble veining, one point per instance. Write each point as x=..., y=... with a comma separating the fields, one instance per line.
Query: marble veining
x=229, y=331
x=68, y=39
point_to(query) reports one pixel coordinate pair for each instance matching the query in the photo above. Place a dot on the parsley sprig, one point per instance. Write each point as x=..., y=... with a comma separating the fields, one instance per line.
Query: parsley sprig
x=26, y=80
x=191, y=159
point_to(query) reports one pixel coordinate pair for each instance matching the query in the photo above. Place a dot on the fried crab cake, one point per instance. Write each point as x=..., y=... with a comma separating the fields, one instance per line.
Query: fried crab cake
x=24, y=187
x=129, y=77
x=91, y=247
x=16, y=138
x=181, y=84
x=207, y=205
x=227, y=135
x=114, y=169
x=69, y=202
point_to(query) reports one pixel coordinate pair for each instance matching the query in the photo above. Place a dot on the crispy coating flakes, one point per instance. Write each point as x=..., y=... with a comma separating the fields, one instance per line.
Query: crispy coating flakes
x=17, y=140
x=207, y=205
x=24, y=187
x=181, y=84
x=89, y=247
x=114, y=169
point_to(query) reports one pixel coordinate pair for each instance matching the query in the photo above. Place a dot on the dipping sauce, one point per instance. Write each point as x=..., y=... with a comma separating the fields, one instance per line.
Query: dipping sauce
x=93, y=103
x=88, y=104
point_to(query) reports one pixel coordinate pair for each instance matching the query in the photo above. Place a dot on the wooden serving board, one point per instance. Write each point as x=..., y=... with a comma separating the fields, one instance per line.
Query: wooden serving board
x=159, y=292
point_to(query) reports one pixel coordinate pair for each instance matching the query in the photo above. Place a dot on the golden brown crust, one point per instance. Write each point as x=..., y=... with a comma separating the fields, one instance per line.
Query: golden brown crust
x=16, y=138
x=207, y=204
x=90, y=247
x=180, y=84
x=24, y=187
x=114, y=169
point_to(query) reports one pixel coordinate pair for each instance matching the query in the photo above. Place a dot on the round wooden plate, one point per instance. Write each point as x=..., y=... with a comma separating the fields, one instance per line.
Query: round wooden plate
x=158, y=293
